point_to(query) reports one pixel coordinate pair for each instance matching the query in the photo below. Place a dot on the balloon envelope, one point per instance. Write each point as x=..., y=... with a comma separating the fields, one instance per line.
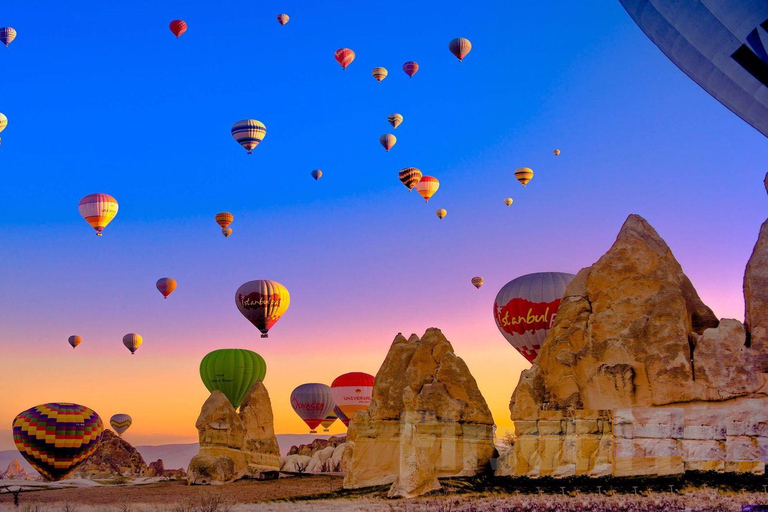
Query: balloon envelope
x=410, y=68
x=7, y=34
x=477, y=282
x=178, y=27
x=379, y=73
x=132, y=341
x=344, y=56
x=387, y=141
x=232, y=371
x=120, y=423
x=75, y=340
x=313, y=403
x=317, y=174
x=556, y=152
x=525, y=309
x=524, y=175
x=166, y=285
x=343, y=417
x=410, y=177
x=427, y=186
x=508, y=201
x=55, y=438
x=226, y=232
x=460, y=47
x=329, y=420
x=3, y=122
x=283, y=18
x=352, y=392
x=249, y=133
x=395, y=119
x=98, y=210
x=262, y=302
x=224, y=219
x=441, y=213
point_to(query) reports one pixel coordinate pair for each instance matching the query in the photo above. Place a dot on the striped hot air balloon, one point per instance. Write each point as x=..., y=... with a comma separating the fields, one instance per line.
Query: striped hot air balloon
x=525, y=309
x=7, y=35
x=388, y=141
x=508, y=201
x=441, y=213
x=427, y=186
x=98, y=210
x=55, y=438
x=283, y=18
x=120, y=423
x=410, y=176
x=317, y=174
x=460, y=47
x=343, y=417
x=352, y=392
x=524, y=175
x=75, y=340
x=410, y=68
x=166, y=285
x=344, y=56
x=224, y=219
x=477, y=282
x=313, y=403
x=232, y=371
x=226, y=232
x=329, y=420
x=262, y=302
x=380, y=73
x=249, y=133
x=3, y=122
x=132, y=341
x=395, y=119
x=178, y=27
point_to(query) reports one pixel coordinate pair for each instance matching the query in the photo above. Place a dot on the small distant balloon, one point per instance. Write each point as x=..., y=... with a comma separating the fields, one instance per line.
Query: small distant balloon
x=477, y=282
x=524, y=175
x=388, y=141
x=3, y=122
x=7, y=35
x=508, y=201
x=224, y=219
x=380, y=73
x=410, y=176
x=317, y=174
x=395, y=119
x=249, y=133
x=98, y=210
x=460, y=47
x=283, y=18
x=120, y=423
x=410, y=68
x=226, y=232
x=328, y=421
x=441, y=213
x=427, y=187
x=178, y=27
x=132, y=342
x=75, y=340
x=166, y=285
x=344, y=56
x=556, y=152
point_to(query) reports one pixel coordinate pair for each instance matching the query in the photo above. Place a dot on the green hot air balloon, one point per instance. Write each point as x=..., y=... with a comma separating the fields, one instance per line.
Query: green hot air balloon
x=232, y=371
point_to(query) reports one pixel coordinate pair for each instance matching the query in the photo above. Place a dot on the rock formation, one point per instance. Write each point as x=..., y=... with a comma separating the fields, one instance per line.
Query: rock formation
x=14, y=471
x=235, y=445
x=320, y=456
x=114, y=457
x=638, y=377
x=157, y=469
x=427, y=420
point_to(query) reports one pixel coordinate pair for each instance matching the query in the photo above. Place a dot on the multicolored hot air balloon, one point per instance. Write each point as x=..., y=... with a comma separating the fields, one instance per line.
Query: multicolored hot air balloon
x=317, y=174
x=477, y=282
x=120, y=423
x=556, y=152
x=344, y=56
x=249, y=133
x=387, y=141
x=226, y=232
x=395, y=119
x=3, y=122
x=232, y=371
x=525, y=309
x=262, y=303
x=313, y=403
x=508, y=201
x=427, y=186
x=441, y=213
x=524, y=175
x=283, y=18
x=460, y=47
x=75, y=340
x=98, y=210
x=343, y=417
x=7, y=35
x=224, y=219
x=410, y=68
x=352, y=392
x=410, y=176
x=379, y=73
x=132, y=342
x=55, y=438
x=178, y=27
x=329, y=420
x=166, y=285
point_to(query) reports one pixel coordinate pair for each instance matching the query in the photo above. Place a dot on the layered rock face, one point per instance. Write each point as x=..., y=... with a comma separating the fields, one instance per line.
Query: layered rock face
x=427, y=419
x=320, y=456
x=114, y=457
x=232, y=444
x=14, y=471
x=638, y=377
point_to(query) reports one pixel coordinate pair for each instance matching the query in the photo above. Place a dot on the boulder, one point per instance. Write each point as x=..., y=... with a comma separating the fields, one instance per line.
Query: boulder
x=114, y=457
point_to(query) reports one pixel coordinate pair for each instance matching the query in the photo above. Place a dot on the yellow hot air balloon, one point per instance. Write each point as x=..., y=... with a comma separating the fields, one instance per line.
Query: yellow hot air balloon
x=427, y=187
x=556, y=152
x=388, y=141
x=98, y=210
x=441, y=213
x=132, y=342
x=3, y=122
x=508, y=201
x=477, y=282
x=224, y=219
x=226, y=232
x=395, y=119
x=380, y=73
x=524, y=175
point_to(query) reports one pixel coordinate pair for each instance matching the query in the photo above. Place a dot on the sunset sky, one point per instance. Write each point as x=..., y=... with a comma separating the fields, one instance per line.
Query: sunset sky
x=103, y=98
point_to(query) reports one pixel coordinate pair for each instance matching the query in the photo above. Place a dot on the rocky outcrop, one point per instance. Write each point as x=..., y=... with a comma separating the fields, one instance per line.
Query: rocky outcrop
x=14, y=471
x=638, y=377
x=157, y=469
x=427, y=419
x=114, y=457
x=319, y=456
x=232, y=444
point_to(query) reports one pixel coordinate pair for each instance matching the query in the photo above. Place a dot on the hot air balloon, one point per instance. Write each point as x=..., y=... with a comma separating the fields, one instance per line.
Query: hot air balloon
x=248, y=133
x=427, y=186
x=410, y=176
x=556, y=152
x=283, y=18
x=524, y=175
x=477, y=282
x=344, y=56
x=178, y=27
x=410, y=68
x=75, y=340
x=224, y=219
x=721, y=44
x=329, y=420
x=379, y=73
x=343, y=417
x=313, y=403
x=352, y=392
x=262, y=302
x=3, y=122
x=232, y=371
x=98, y=210
x=508, y=201
x=317, y=174
x=387, y=141
x=132, y=341
x=120, y=423
x=395, y=119
x=460, y=47
x=226, y=232
x=7, y=34
x=55, y=438
x=525, y=309
x=166, y=285
x=441, y=213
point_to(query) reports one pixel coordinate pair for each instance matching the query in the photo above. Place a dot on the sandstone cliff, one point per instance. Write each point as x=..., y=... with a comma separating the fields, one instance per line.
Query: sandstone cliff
x=114, y=457
x=320, y=456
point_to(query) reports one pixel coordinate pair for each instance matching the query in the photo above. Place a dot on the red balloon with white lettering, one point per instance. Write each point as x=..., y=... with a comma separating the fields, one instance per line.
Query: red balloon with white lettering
x=313, y=403
x=352, y=392
x=526, y=307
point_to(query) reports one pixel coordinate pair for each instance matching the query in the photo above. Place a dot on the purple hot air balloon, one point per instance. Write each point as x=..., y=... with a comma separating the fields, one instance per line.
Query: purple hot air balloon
x=312, y=402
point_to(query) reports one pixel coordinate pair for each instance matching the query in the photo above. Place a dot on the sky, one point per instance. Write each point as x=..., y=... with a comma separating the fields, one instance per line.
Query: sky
x=103, y=98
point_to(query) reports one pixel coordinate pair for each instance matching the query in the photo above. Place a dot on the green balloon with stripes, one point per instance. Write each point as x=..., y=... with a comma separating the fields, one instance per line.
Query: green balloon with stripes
x=232, y=371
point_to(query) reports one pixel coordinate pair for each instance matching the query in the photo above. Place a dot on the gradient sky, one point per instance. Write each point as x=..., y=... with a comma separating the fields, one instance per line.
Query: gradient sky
x=103, y=98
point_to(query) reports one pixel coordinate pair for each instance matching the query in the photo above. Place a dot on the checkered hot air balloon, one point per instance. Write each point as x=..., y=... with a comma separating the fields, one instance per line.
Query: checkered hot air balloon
x=352, y=392
x=98, y=210
x=313, y=403
x=55, y=438
x=7, y=35
x=410, y=68
x=344, y=56
x=249, y=133
x=120, y=423
x=427, y=186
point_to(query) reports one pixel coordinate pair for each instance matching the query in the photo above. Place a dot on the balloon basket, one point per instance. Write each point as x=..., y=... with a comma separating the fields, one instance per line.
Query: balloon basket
x=265, y=335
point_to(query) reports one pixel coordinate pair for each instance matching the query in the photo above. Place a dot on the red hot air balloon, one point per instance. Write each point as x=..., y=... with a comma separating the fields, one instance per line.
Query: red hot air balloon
x=283, y=18
x=352, y=392
x=460, y=47
x=313, y=403
x=166, y=285
x=178, y=27
x=410, y=68
x=344, y=56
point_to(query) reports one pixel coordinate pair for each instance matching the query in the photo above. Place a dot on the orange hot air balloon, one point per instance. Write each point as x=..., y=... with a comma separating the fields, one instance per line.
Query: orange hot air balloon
x=427, y=187
x=226, y=232
x=178, y=27
x=410, y=68
x=477, y=282
x=379, y=73
x=556, y=152
x=344, y=56
x=75, y=340
x=262, y=303
x=166, y=285
x=283, y=18
x=524, y=175
x=460, y=47
x=224, y=219
x=388, y=141
x=98, y=210
x=441, y=213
